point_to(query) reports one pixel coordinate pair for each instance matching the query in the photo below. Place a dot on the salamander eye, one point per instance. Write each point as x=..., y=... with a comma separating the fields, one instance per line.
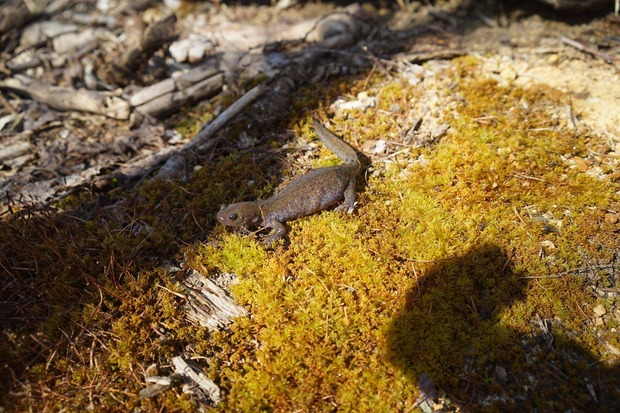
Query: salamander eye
x=233, y=216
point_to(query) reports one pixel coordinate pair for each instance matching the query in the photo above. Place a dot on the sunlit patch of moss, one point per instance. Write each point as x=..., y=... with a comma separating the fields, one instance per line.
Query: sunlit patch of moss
x=323, y=307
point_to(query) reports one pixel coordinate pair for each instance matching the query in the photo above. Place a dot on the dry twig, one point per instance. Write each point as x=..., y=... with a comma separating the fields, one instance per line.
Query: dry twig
x=587, y=49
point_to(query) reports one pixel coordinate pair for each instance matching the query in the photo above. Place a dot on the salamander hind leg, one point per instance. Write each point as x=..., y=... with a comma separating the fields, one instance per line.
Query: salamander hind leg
x=349, y=198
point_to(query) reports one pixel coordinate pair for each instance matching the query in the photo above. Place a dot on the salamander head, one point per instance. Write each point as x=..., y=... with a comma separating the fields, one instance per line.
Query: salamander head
x=240, y=215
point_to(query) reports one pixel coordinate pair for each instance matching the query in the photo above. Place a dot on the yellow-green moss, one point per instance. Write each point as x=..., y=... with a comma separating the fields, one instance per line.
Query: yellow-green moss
x=440, y=250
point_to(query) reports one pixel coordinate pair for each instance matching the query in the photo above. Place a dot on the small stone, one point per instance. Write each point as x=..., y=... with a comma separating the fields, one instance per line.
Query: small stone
x=580, y=163
x=394, y=108
x=548, y=245
x=380, y=147
x=553, y=59
x=611, y=218
x=508, y=73
x=599, y=310
x=501, y=374
x=414, y=74
x=598, y=322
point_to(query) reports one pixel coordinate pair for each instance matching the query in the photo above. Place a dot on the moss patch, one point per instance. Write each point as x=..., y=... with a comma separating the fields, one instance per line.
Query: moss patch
x=432, y=273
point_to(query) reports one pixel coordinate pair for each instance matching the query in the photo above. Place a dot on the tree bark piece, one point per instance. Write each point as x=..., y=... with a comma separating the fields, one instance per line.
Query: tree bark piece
x=65, y=98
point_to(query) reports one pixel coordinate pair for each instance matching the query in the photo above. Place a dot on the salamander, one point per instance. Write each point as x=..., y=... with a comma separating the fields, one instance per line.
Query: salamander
x=315, y=191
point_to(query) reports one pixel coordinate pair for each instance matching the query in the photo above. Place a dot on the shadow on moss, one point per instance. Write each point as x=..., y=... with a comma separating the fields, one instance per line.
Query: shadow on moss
x=453, y=328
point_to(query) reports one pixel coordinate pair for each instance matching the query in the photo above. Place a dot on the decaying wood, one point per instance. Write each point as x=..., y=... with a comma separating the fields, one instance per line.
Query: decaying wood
x=271, y=101
x=312, y=40
x=64, y=98
x=207, y=131
x=208, y=304
x=199, y=386
x=14, y=147
x=159, y=385
x=436, y=55
x=203, y=382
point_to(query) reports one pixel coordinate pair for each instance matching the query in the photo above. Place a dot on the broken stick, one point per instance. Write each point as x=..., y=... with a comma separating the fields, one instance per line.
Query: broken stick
x=587, y=49
x=176, y=163
x=66, y=98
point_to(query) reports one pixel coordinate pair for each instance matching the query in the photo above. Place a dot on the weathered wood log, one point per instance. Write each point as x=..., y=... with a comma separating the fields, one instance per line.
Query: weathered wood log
x=175, y=83
x=171, y=102
x=65, y=98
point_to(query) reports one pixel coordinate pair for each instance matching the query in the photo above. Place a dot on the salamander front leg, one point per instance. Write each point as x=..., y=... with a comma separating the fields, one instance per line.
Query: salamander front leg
x=279, y=230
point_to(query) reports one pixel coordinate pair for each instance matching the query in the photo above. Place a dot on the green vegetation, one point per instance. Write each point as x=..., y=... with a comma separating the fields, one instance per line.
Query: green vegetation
x=429, y=275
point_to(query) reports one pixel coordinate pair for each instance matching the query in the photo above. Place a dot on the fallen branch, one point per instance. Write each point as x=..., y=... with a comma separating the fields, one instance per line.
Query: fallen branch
x=65, y=98
x=587, y=49
x=418, y=58
x=160, y=385
x=203, y=389
x=172, y=101
x=15, y=14
x=176, y=163
x=175, y=83
x=207, y=131
x=15, y=146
